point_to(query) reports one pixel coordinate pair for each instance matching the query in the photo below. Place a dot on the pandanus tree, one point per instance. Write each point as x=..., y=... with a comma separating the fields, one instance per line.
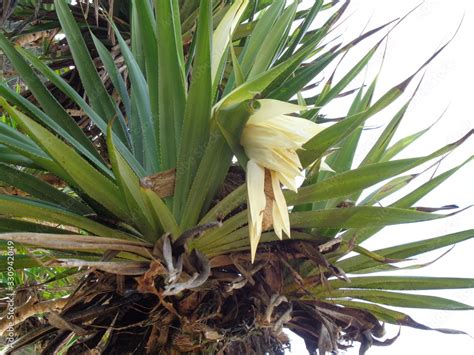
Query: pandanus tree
x=203, y=202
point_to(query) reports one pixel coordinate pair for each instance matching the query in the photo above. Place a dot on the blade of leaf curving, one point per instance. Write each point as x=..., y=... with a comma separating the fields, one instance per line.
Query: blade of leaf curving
x=398, y=299
x=316, y=146
x=129, y=184
x=93, y=115
x=117, y=80
x=162, y=214
x=40, y=189
x=405, y=202
x=222, y=34
x=144, y=130
x=394, y=317
x=98, y=96
x=16, y=225
x=233, y=200
x=54, y=111
x=197, y=114
x=275, y=38
x=354, y=181
x=23, y=145
x=347, y=78
x=40, y=116
x=9, y=156
x=42, y=211
x=303, y=27
x=400, y=145
x=262, y=82
x=171, y=84
x=147, y=35
x=214, y=165
x=387, y=189
x=403, y=251
x=406, y=283
x=359, y=217
x=79, y=171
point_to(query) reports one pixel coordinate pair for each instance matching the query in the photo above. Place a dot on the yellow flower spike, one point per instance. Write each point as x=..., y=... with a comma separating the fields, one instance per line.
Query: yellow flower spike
x=270, y=139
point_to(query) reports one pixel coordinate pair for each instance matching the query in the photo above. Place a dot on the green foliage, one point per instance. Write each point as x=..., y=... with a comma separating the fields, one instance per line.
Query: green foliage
x=183, y=83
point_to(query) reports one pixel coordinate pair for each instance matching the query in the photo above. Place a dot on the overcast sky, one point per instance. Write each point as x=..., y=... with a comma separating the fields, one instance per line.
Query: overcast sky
x=448, y=81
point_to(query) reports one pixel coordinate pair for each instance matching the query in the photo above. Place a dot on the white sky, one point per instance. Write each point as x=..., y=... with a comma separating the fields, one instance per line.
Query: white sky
x=448, y=81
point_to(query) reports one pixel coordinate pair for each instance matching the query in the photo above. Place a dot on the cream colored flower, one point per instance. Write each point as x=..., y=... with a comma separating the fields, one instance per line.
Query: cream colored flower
x=270, y=139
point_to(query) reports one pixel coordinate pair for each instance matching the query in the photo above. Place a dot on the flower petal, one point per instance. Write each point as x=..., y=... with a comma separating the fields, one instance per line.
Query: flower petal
x=256, y=202
x=288, y=181
x=255, y=231
x=270, y=108
x=270, y=139
x=272, y=160
x=280, y=208
x=257, y=135
x=299, y=130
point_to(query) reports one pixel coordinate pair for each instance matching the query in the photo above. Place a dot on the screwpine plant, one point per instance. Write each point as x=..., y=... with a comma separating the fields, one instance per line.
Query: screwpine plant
x=179, y=173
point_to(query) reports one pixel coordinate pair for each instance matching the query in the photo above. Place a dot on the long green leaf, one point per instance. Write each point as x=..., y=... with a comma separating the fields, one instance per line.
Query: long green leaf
x=222, y=35
x=262, y=82
x=24, y=146
x=35, y=112
x=379, y=147
x=16, y=225
x=112, y=70
x=397, y=299
x=162, y=214
x=358, y=217
x=171, y=85
x=28, y=208
x=212, y=237
x=214, y=165
x=9, y=156
x=147, y=35
x=144, y=129
x=83, y=175
x=358, y=179
x=387, y=189
x=40, y=189
x=274, y=39
x=300, y=32
x=93, y=115
x=394, y=317
x=237, y=69
x=290, y=85
x=316, y=146
x=346, y=79
x=261, y=30
x=402, y=144
x=50, y=105
x=138, y=213
x=343, y=158
x=233, y=200
x=98, y=96
x=197, y=112
x=403, y=251
x=351, y=181
x=398, y=283
x=405, y=202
